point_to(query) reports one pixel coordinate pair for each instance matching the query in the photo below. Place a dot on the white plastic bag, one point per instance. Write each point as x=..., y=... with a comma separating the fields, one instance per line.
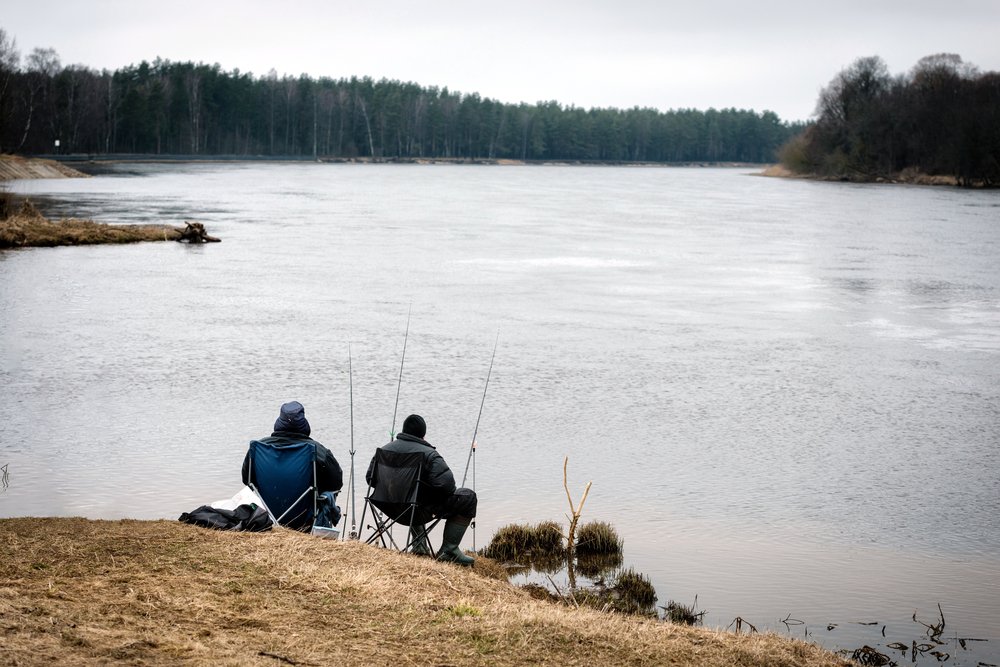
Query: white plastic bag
x=244, y=496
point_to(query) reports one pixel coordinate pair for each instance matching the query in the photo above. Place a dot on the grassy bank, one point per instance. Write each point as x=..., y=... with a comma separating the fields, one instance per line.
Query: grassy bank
x=74, y=591
x=15, y=167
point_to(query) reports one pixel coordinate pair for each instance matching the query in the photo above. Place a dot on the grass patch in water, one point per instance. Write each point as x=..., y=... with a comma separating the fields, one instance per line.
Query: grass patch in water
x=634, y=591
x=675, y=612
x=518, y=542
x=598, y=538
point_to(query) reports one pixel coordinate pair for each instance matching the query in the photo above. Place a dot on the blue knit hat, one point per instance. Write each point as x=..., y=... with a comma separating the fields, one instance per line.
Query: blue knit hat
x=292, y=419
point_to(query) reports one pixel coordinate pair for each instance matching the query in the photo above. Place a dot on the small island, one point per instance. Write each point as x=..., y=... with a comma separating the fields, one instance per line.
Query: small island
x=27, y=228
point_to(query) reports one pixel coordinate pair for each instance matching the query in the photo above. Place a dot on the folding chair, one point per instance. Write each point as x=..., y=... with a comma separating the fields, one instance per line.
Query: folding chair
x=392, y=497
x=284, y=477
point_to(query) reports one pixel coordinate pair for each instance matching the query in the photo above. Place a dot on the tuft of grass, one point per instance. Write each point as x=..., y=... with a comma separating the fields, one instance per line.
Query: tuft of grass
x=548, y=539
x=462, y=610
x=598, y=538
x=510, y=542
x=675, y=612
x=634, y=592
x=519, y=542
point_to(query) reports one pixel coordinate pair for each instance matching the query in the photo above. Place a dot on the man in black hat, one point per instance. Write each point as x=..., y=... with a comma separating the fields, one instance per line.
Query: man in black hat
x=292, y=428
x=437, y=492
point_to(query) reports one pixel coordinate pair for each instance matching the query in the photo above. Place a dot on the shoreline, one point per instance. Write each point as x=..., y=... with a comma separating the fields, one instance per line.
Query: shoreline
x=502, y=162
x=162, y=592
x=905, y=177
x=16, y=167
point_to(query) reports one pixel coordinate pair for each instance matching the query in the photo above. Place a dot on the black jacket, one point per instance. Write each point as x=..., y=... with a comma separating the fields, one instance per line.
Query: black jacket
x=436, y=480
x=329, y=476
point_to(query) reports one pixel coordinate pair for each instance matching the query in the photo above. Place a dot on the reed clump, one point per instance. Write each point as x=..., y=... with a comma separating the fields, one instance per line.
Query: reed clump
x=519, y=542
x=598, y=538
x=634, y=592
x=675, y=612
x=548, y=539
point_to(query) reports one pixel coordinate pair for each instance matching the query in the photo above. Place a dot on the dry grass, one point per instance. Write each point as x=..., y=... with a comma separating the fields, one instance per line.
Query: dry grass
x=74, y=591
x=29, y=228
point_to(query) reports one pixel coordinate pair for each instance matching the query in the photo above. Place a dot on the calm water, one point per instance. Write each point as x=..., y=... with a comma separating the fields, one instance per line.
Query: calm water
x=786, y=394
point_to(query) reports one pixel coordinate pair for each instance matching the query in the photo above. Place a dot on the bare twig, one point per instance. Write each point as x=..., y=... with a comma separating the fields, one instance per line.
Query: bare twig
x=572, y=598
x=573, y=520
x=934, y=632
x=739, y=622
x=788, y=620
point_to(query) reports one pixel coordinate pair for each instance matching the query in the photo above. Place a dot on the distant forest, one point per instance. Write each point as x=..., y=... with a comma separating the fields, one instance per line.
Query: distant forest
x=941, y=118
x=182, y=108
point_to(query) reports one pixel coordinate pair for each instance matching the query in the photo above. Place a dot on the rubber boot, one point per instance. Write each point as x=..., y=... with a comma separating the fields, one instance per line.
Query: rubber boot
x=454, y=531
x=418, y=537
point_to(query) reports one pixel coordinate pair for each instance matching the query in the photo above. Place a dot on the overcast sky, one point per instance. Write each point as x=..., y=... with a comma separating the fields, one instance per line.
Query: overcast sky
x=758, y=54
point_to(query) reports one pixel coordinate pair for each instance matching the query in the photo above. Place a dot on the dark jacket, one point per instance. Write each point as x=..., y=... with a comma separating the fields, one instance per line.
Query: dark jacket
x=436, y=481
x=329, y=476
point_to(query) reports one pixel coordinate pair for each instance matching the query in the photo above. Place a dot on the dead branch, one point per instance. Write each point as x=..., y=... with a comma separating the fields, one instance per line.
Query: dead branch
x=194, y=232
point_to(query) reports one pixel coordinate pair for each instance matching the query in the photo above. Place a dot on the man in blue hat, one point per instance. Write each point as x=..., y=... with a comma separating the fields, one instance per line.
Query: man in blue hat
x=292, y=428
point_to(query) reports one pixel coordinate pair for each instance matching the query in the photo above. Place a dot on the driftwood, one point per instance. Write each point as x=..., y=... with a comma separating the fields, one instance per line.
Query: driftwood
x=194, y=232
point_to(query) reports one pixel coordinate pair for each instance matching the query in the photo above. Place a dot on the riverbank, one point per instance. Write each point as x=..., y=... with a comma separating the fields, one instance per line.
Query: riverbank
x=161, y=592
x=15, y=167
x=99, y=162
x=906, y=177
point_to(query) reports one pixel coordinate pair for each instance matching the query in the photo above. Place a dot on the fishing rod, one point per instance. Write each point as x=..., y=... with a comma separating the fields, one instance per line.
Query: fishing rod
x=472, y=448
x=350, y=374
x=392, y=431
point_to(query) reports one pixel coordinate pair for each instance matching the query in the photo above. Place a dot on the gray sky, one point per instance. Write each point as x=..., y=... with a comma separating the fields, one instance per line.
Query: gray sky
x=764, y=54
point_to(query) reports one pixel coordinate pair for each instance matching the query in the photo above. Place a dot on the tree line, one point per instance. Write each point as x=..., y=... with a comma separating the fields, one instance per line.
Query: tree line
x=941, y=118
x=164, y=107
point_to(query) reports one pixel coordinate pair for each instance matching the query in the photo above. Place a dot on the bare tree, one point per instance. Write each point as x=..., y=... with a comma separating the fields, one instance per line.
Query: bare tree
x=10, y=57
x=42, y=67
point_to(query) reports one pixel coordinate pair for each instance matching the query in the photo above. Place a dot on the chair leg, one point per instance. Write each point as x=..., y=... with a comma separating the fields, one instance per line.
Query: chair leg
x=419, y=544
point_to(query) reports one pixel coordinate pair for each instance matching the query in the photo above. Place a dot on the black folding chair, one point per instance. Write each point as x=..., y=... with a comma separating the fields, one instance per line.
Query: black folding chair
x=392, y=498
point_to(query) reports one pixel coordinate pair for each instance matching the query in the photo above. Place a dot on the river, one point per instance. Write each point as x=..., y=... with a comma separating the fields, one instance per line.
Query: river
x=785, y=393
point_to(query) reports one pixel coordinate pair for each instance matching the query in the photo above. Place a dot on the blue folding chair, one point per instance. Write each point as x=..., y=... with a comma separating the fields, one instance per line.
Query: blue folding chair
x=284, y=477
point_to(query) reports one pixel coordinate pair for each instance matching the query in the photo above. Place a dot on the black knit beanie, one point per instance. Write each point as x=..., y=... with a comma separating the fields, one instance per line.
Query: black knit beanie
x=415, y=426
